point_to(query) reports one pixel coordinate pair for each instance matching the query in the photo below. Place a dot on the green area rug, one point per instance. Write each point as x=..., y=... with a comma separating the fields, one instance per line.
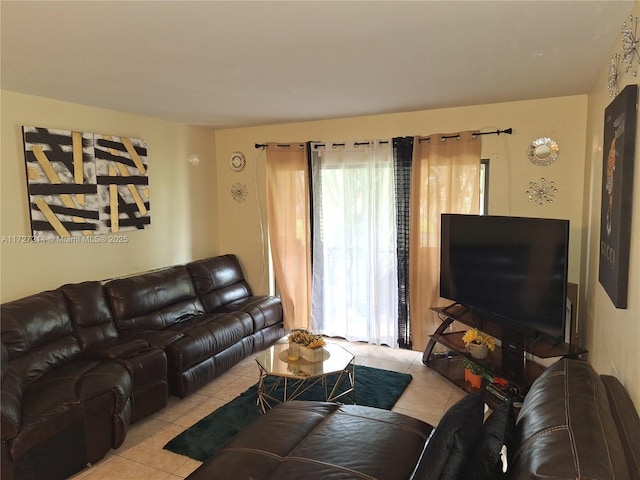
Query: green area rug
x=374, y=388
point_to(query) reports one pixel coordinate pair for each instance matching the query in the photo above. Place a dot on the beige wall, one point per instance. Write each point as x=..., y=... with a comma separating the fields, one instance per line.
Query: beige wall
x=183, y=199
x=612, y=334
x=563, y=119
x=193, y=214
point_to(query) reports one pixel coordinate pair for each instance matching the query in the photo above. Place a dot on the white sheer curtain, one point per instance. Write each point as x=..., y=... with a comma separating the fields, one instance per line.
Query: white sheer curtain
x=354, y=288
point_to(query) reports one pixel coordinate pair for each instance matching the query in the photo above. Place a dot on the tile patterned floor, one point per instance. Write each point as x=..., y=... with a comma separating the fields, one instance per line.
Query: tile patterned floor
x=142, y=457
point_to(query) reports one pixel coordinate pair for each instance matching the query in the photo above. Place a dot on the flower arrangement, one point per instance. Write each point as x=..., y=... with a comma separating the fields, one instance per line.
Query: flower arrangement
x=473, y=373
x=474, y=368
x=306, y=339
x=476, y=337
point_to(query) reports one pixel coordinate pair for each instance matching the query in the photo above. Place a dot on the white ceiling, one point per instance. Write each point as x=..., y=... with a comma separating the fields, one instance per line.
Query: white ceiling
x=239, y=63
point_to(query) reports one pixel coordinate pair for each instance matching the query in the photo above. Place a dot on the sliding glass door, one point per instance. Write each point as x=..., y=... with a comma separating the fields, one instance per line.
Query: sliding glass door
x=354, y=287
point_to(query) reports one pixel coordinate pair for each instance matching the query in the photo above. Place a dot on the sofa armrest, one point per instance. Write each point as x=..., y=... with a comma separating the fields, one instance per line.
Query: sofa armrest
x=627, y=420
x=566, y=429
x=113, y=350
x=10, y=399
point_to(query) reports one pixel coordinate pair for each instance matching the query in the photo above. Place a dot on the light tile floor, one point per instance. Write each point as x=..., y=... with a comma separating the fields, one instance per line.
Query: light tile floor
x=141, y=456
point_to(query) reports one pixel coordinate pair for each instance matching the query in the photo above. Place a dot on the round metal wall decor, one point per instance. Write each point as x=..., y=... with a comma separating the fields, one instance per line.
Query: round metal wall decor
x=237, y=161
x=614, y=75
x=543, y=151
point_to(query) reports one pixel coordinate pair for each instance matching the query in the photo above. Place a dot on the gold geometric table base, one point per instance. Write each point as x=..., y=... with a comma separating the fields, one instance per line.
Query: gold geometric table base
x=283, y=381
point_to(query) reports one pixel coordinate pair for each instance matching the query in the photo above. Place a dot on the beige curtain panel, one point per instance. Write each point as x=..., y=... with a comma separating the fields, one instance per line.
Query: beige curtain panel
x=445, y=179
x=289, y=229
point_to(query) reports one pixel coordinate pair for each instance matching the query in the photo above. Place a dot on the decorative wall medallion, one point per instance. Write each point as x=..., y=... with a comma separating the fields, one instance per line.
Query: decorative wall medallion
x=541, y=192
x=614, y=75
x=630, y=45
x=543, y=151
x=239, y=192
x=237, y=161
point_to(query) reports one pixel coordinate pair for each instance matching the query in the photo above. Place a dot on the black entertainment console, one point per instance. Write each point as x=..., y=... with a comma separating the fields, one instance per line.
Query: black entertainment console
x=513, y=360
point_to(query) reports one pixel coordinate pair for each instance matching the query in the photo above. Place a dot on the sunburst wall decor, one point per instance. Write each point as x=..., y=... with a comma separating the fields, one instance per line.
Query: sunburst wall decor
x=614, y=75
x=541, y=192
x=239, y=192
x=630, y=53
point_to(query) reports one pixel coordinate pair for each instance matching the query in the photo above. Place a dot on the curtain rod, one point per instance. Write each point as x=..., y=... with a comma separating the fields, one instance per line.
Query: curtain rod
x=508, y=131
x=279, y=145
x=284, y=145
x=356, y=144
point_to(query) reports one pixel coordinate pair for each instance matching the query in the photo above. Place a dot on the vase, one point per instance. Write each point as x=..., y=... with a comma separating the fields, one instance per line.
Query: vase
x=478, y=350
x=293, y=353
x=312, y=354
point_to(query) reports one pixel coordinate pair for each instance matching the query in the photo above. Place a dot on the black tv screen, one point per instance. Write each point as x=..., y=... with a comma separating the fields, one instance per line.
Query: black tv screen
x=512, y=268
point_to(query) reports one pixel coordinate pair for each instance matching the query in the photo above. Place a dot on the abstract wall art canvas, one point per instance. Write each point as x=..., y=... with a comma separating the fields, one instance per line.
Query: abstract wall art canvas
x=82, y=184
x=122, y=181
x=620, y=129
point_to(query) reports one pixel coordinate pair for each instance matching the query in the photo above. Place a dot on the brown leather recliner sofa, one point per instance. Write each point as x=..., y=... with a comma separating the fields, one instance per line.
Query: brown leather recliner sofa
x=84, y=361
x=202, y=314
x=574, y=424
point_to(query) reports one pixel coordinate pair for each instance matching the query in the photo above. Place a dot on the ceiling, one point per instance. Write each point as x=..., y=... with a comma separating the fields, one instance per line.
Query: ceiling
x=240, y=63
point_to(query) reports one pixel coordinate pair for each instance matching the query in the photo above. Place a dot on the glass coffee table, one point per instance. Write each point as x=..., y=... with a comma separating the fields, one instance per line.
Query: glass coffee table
x=282, y=380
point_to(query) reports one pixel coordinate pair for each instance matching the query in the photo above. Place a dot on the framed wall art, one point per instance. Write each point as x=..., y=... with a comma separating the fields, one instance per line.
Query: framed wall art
x=81, y=184
x=620, y=129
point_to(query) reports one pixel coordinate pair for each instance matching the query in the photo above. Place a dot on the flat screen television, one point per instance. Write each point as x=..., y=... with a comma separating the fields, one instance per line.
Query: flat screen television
x=513, y=269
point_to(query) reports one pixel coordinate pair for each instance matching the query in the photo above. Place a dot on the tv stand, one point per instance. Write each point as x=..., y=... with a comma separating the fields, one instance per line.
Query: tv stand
x=512, y=361
x=455, y=305
x=513, y=356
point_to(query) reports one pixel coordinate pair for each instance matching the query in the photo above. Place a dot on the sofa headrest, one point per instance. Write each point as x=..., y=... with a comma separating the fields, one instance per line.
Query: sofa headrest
x=219, y=281
x=153, y=300
x=37, y=331
x=90, y=313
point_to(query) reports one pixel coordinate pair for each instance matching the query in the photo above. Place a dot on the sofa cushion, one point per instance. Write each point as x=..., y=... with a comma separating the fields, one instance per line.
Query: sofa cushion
x=57, y=400
x=565, y=428
x=153, y=300
x=264, y=310
x=497, y=432
x=43, y=422
x=156, y=338
x=204, y=336
x=454, y=440
x=302, y=439
x=392, y=445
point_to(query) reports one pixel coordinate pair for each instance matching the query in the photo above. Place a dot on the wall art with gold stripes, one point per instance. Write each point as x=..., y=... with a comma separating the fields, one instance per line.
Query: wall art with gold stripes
x=83, y=184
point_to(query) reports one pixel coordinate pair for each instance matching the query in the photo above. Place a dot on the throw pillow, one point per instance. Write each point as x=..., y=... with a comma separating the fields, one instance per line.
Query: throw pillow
x=498, y=431
x=452, y=443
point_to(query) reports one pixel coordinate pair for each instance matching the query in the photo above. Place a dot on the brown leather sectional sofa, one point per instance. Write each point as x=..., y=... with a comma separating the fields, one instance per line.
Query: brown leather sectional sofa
x=574, y=424
x=84, y=361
